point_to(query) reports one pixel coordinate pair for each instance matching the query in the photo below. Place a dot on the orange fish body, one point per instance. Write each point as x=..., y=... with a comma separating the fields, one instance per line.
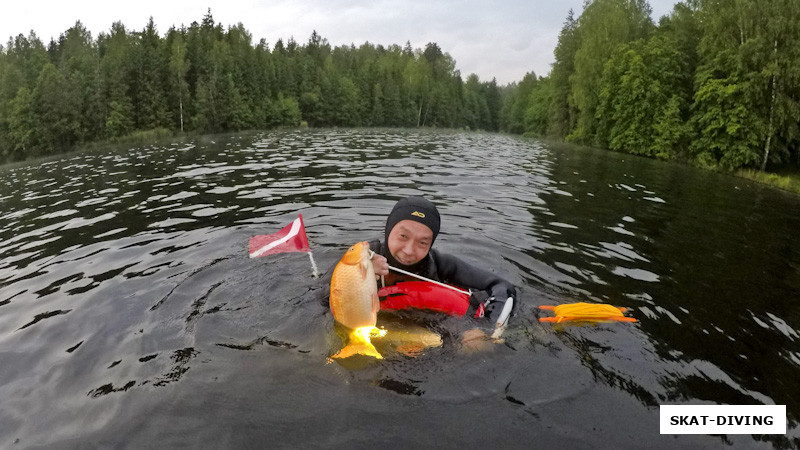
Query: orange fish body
x=354, y=299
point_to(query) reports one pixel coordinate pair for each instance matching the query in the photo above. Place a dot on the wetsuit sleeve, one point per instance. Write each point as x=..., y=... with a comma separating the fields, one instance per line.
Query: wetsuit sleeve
x=455, y=271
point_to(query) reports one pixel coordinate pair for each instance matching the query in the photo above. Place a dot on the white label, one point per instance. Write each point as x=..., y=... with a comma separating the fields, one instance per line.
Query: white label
x=723, y=419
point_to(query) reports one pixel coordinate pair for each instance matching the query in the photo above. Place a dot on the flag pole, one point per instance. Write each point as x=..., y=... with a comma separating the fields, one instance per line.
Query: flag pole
x=315, y=272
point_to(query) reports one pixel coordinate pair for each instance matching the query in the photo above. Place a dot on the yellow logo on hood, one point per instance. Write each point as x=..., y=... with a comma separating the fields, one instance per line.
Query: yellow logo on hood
x=418, y=214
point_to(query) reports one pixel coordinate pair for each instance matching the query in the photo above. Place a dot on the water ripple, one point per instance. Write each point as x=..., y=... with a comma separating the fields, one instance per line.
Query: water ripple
x=124, y=275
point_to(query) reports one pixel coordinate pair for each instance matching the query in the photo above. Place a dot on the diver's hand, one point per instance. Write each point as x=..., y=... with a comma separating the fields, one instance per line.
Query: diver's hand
x=475, y=340
x=380, y=265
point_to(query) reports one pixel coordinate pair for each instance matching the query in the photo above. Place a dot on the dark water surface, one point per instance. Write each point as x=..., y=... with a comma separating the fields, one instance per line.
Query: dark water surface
x=131, y=315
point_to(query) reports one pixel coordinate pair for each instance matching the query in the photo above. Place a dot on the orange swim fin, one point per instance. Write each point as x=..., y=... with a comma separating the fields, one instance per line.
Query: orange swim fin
x=585, y=312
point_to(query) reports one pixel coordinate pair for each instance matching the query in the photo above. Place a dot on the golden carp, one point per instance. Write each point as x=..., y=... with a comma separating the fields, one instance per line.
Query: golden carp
x=354, y=300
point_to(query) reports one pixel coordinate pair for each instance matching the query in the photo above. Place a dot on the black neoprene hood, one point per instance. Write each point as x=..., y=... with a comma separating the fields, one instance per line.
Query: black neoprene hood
x=417, y=209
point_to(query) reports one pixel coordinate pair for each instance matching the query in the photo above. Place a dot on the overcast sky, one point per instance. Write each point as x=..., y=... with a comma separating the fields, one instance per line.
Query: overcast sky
x=500, y=39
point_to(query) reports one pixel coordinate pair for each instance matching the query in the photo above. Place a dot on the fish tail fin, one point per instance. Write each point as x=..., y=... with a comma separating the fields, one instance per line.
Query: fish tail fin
x=358, y=348
x=359, y=344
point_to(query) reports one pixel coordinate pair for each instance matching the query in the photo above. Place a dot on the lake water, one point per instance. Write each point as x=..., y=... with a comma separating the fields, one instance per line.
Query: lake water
x=132, y=316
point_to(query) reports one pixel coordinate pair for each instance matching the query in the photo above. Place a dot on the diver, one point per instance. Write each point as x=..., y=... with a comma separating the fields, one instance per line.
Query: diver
x=411, y=229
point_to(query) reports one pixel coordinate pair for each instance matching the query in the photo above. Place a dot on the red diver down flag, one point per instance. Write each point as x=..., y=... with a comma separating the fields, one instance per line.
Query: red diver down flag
x=292, y=238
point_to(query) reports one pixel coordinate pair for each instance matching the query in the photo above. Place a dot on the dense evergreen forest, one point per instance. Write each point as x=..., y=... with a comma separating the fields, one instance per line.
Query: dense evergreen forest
x=208, y=79
x=717, y=83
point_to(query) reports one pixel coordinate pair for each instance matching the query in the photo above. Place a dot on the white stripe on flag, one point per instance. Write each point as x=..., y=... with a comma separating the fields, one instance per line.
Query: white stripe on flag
x=292, y=233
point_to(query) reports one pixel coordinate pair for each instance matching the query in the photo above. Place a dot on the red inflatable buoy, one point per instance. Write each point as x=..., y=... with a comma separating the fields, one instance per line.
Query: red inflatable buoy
x=423, y=295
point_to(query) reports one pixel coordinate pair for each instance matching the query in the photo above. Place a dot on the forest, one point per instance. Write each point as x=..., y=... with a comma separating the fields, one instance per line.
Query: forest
x=715, y=83
x=209, y=79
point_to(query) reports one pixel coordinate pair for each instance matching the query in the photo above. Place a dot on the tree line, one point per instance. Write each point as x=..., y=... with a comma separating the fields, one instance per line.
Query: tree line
x=716, y=82
x=207, y=79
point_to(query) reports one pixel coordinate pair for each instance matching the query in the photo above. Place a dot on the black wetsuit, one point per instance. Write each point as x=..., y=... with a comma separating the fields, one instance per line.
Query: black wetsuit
x=451, y=270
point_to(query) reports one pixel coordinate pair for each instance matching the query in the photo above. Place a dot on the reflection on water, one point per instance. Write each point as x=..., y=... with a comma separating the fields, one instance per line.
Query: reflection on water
x=128, y=300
